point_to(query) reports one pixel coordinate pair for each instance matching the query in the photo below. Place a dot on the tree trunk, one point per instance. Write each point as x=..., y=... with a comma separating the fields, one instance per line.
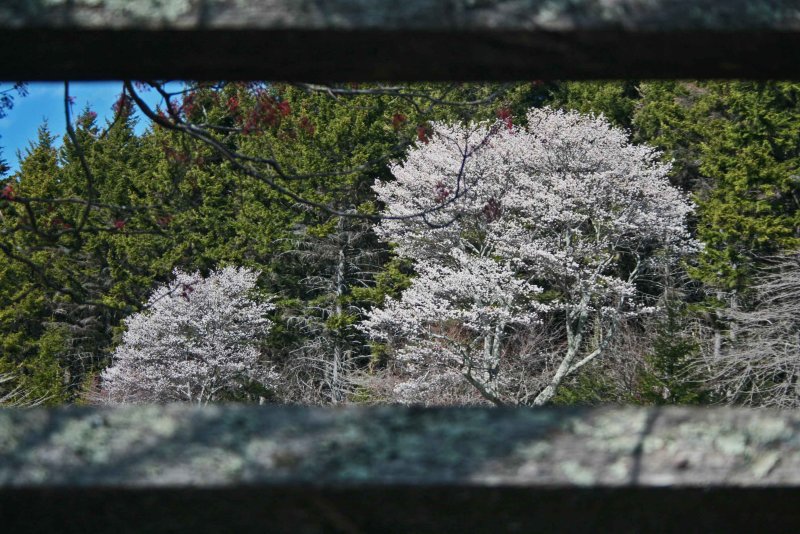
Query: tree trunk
x=337, y=395
x=574, y=342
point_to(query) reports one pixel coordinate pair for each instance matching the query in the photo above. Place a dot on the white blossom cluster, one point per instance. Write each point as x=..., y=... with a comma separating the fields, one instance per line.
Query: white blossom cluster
x=195, y=342
x=565, y=203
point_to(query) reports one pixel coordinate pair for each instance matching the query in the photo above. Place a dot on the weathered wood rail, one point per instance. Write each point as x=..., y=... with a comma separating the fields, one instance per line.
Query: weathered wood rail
x=358, y=40
x=388, y=469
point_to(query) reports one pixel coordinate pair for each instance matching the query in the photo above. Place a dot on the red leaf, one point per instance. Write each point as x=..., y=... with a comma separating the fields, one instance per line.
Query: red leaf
x=307, y=126
x=442, y=192
x=397, y=120
x=122, y=105
x=492, y=210
x=7, y=193
x=423, y=133
x=504, y=114
x=188, y=105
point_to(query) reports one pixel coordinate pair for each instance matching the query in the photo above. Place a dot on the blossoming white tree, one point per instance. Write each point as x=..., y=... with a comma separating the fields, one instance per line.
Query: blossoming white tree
x=195, y=342
x=564, y=205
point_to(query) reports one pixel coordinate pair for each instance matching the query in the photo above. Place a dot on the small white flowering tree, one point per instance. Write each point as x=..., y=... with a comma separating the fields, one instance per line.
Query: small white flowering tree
x=195, y=342
x=565, y=205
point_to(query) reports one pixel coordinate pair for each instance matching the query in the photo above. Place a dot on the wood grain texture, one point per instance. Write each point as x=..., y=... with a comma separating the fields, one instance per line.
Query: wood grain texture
x=396, y=40
x=432, y=15
x=231, y=445
x=392, y=469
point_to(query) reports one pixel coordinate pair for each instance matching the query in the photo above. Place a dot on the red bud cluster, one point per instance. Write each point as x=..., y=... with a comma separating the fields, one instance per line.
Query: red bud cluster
x=492, y=210
x=423, y=133
x=442, y=192
x=398, y=119
x=123, y=105
x=307, y=126
x=504, y=114
x=7, y=193
x=266, y=112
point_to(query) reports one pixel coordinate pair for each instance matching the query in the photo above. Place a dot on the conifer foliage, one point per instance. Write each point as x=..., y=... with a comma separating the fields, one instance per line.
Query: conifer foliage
x=195, y=342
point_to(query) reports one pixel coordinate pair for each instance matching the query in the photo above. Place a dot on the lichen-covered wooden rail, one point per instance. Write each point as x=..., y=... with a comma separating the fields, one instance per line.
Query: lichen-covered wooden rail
x=387, y=469
x=355, y=40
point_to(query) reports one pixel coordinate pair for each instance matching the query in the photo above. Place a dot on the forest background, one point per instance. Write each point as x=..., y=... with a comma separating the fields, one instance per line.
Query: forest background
x=278, y=178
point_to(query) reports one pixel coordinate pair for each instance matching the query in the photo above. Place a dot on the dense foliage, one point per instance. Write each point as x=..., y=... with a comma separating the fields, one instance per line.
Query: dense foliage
x=91, y=226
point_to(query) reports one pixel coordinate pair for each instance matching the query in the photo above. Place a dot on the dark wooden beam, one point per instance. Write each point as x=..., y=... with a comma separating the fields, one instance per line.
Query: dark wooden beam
x=363, y=40
x=292, y=469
